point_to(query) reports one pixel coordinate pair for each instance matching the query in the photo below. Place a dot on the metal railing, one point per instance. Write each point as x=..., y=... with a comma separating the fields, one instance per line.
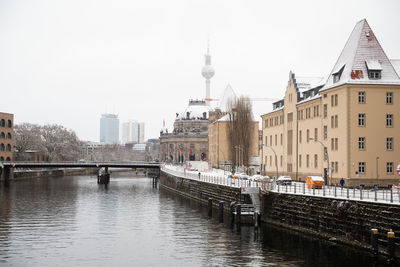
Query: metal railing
x=387, y=196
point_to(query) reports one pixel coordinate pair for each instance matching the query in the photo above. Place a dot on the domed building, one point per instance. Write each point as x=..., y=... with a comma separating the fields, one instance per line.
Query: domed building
x=189, y=139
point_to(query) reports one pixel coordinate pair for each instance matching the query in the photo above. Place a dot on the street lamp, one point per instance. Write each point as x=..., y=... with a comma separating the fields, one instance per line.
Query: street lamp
x=327, y=156
x=377, y=173
x=276, y=159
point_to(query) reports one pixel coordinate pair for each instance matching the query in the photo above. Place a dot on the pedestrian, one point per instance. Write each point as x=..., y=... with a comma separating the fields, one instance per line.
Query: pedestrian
x=342, y=182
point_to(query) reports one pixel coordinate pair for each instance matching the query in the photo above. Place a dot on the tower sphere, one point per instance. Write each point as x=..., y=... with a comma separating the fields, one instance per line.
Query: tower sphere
x=208, y=72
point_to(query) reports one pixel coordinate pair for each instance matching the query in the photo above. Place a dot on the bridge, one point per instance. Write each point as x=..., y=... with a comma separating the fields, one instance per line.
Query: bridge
x=6, y=168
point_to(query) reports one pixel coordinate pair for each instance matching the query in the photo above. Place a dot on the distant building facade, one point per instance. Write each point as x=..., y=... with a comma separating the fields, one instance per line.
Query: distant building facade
x=109, y=129
x=352, y=120
x=189, y=139
x=6, y=136
x=133, y=132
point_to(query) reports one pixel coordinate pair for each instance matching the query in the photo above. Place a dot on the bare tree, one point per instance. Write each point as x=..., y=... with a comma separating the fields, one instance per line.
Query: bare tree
x=240, y=128
x=55, y=142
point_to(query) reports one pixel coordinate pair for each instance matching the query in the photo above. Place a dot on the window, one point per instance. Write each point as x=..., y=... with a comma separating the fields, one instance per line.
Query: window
x=336, y=166
x=332, y=144
x=300, y=161
x=325, y=110
x=270, y=140
x=315, y=134
x=361, y=143
x=266, y=123
x=3, y=123
x=308, y=160
x=389, y=120
x=389, y=98
x=361, y=97
x=266, y=140
x=2, y=147
x=361, y=167
x=2, y=135
x=270, y=160
x=325, y=132
x=336, y=121
x=374, y=74
x=389, y=143
x=260, y=137
x=325, y=153
x=308, y=135
x=9, y=124
x=334, y=100
x=266, y=160
x=281, y=139
x=336, y=143
x=300, y=137
x=8, y=148
x=276, y=139
x=290, y=117
x=315, y=161
x=332, y=121
x=8, y=136
x=389, y=167
x=281, y=160
x=361, y=119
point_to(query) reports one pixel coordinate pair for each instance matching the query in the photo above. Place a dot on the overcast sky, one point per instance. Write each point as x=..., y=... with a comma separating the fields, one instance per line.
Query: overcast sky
x=67, y=62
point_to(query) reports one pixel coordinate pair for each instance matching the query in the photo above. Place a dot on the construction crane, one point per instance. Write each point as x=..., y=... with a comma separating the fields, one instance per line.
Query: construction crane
x=251, y=99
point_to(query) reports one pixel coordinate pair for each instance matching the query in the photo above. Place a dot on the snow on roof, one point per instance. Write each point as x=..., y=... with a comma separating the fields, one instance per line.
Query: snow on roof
x=306, y=83
x=309, y=99
x=361, y=47
x=195, y=109
x=373, y=65
x=396, y=65
x=227, y=96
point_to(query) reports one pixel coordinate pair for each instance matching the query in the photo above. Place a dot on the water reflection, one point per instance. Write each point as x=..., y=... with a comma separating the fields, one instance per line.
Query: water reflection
x=74, y=221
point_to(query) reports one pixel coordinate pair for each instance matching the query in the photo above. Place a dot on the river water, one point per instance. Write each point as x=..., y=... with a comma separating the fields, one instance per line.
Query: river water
x=73, y=221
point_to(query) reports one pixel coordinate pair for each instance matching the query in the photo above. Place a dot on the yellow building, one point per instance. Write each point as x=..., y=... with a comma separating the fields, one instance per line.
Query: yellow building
x=352, y=119
x=6, y=136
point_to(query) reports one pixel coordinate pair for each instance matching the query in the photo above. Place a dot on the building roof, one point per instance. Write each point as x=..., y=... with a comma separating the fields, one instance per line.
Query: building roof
x=362, y=52
x=227, y=96
x=194, y=111
x=396, y=65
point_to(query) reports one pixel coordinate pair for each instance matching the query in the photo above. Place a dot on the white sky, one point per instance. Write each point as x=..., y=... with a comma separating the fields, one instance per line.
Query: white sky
x=67, y=62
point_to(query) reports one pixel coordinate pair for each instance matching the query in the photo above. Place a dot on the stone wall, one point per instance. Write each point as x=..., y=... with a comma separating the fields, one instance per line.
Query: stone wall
x=202, y=191
x=348, y=222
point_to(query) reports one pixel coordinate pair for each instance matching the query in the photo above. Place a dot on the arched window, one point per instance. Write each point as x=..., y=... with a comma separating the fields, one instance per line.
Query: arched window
x=3, y=123
x=8, y=159
x=2, y=147
x=1, y=159
x=8, y=148
x=2, y=135
x=8, y=136
x=9, y=124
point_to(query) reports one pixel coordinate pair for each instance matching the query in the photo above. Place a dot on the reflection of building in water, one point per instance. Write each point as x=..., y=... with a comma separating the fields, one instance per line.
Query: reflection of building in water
x=189, y=139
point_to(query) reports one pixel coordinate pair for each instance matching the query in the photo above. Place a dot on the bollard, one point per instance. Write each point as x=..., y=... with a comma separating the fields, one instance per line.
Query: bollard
x=361, y=196
x=374, y=241
x=376, y=194
x=304, y=188
x=279, y=187
x=210, y=207
x=295, y=185
x=221, y=211
x=335, y=190
x=348, y=194
x=286, y=187
x=256, y=215
x=238, y=214
x=323, y=190
x=391, y=195
x=391, y=245
x=354, y=192
x=313, y=189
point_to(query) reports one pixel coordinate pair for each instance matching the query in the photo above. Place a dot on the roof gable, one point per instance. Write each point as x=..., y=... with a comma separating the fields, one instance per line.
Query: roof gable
x=362, y=50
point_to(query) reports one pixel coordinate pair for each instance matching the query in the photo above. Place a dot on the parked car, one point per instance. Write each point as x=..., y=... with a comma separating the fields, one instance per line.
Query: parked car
x=259, y=178
x=284, y=180
x=242, y=176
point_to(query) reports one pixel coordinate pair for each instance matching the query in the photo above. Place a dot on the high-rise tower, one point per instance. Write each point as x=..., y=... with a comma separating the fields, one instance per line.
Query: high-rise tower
x=208, y=72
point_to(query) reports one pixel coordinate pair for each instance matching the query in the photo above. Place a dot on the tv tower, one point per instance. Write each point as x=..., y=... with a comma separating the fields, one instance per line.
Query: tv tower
x=208, y=72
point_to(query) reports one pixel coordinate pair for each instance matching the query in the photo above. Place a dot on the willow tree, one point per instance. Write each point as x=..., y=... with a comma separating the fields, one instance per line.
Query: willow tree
x=240, y=129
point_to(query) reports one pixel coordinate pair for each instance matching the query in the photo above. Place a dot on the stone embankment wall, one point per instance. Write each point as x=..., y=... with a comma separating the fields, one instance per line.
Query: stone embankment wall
x=202, y=191
x=24, y=174
x=347, y=222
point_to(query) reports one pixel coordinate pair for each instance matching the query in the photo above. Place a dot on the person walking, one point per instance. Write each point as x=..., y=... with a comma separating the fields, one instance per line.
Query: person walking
x=342, y=182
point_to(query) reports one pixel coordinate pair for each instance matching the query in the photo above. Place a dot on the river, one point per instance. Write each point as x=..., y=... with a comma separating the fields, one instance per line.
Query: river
x=73, y=221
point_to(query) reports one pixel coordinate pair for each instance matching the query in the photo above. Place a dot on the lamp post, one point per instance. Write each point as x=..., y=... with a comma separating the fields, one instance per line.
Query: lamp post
x=377, y=173
x=276, y=159
x=327, y=157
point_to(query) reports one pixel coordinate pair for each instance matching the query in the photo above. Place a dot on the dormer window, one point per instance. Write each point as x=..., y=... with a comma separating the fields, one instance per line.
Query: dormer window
x=374, y=69
x=336, y=75
x=374, y=74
